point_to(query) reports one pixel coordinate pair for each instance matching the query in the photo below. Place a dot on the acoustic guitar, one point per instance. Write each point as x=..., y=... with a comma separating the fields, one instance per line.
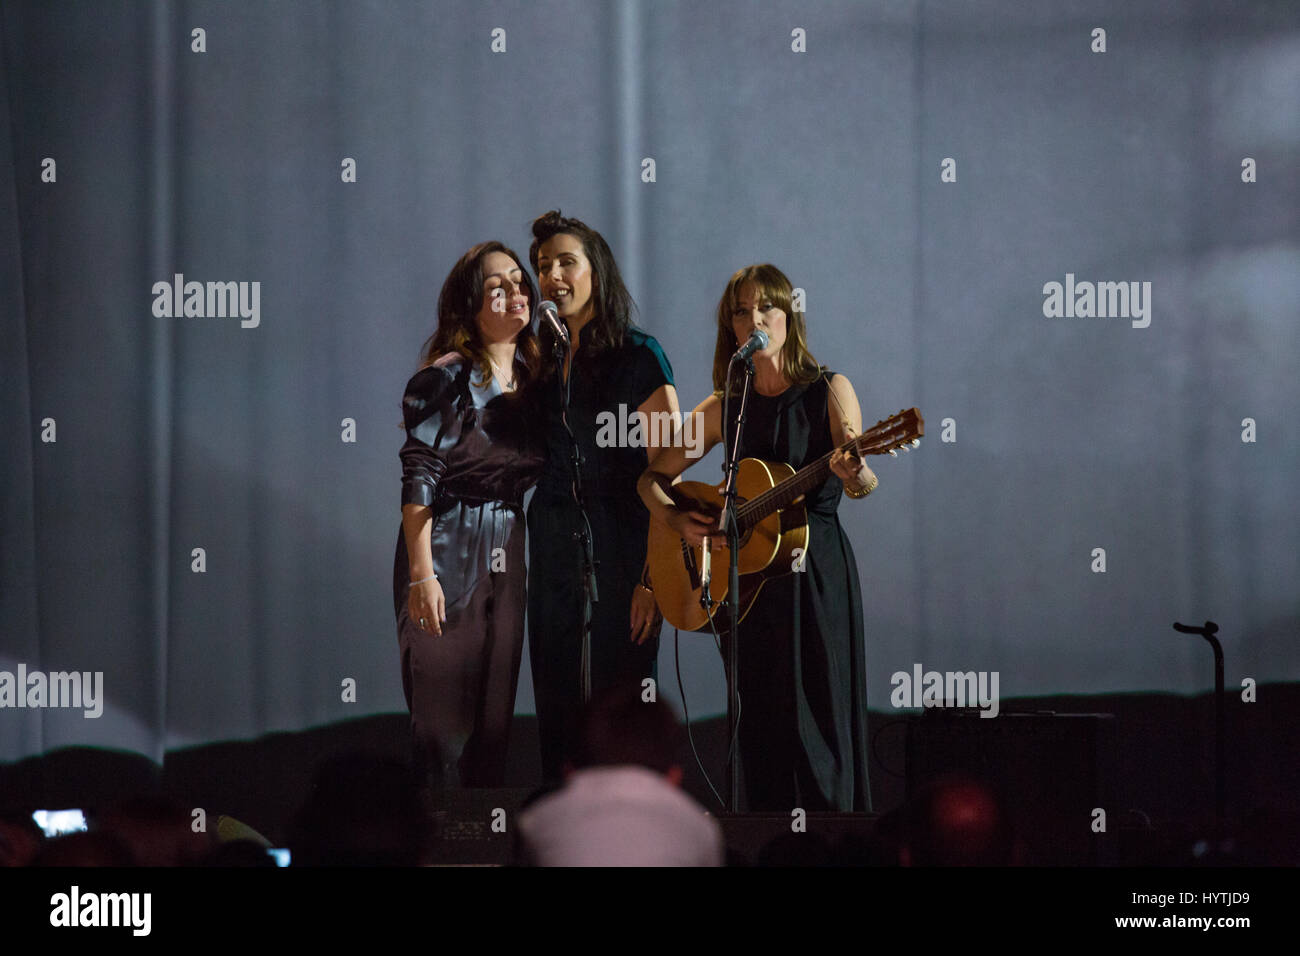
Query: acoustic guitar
x=773, y=527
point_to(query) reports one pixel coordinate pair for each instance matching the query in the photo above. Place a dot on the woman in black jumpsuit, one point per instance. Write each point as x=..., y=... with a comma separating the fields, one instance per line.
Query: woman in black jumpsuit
x=614, y=370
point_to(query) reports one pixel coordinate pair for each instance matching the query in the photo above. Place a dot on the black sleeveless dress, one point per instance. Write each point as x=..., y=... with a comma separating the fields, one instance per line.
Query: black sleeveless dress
x=803, y=694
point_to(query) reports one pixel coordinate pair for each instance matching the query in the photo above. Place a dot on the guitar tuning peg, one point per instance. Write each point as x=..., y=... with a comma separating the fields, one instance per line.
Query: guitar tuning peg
x=916, y=443
x=893, y=453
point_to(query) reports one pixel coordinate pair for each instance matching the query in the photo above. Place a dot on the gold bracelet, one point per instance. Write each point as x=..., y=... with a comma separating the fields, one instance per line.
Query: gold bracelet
x=861, y=494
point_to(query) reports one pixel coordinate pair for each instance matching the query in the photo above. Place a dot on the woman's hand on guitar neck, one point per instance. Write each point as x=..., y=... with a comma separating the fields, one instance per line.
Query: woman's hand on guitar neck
x=850, y=468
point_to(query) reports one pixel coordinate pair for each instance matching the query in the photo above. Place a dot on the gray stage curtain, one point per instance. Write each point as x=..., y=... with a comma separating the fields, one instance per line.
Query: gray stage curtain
x=1071, y=434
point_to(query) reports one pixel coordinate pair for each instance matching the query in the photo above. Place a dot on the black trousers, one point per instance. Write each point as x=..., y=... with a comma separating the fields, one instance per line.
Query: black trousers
x=555, y=599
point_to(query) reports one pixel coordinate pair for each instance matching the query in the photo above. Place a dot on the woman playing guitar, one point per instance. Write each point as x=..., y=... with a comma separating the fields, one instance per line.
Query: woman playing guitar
x=802, y=729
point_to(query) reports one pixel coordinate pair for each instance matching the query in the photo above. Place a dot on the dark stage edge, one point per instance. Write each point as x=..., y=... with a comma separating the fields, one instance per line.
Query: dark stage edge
x=1156, y=775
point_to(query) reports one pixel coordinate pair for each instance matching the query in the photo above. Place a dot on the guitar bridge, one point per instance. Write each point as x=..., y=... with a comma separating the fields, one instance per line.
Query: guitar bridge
x=692, y=569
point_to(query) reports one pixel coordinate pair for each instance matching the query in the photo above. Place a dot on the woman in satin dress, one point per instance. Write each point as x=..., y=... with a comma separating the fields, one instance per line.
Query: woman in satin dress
x=459, y=576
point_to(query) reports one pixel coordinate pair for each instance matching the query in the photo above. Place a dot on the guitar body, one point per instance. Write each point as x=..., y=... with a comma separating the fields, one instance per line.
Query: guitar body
x=774, y=541
x=767, y=550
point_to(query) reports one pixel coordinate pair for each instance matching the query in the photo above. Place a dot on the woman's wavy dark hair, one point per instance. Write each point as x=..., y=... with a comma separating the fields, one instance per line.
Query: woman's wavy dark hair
x=459, y=304
x=612, y=305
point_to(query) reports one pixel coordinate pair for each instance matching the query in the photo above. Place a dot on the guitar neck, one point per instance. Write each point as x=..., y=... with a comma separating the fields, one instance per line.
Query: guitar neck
x=782, y=495
x=903, y=430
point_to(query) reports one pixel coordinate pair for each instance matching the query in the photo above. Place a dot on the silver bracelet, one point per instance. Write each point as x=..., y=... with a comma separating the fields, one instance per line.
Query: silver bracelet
x=432, y=577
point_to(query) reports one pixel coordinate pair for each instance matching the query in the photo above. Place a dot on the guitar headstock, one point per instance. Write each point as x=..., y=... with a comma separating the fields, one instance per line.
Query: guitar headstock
x=903, y=430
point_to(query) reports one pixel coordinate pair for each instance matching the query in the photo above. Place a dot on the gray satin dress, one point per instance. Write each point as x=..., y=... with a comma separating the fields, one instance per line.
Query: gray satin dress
x=471, y=453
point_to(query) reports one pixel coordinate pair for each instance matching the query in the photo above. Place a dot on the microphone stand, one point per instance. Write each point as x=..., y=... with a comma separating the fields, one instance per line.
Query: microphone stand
x=731, y=525
x=583, y=534
x=1220, y=775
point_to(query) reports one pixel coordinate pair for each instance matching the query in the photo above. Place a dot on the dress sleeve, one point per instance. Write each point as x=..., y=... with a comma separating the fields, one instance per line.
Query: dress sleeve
x=432, y=429
x=650, y=371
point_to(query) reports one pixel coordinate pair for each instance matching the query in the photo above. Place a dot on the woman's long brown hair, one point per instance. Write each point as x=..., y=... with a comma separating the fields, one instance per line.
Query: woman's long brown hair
x=459, y=304
x=797, y=362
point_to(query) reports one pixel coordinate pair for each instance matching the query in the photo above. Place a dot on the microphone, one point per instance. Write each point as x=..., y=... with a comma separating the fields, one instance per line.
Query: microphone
x=550, y=315
x=757, y=342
